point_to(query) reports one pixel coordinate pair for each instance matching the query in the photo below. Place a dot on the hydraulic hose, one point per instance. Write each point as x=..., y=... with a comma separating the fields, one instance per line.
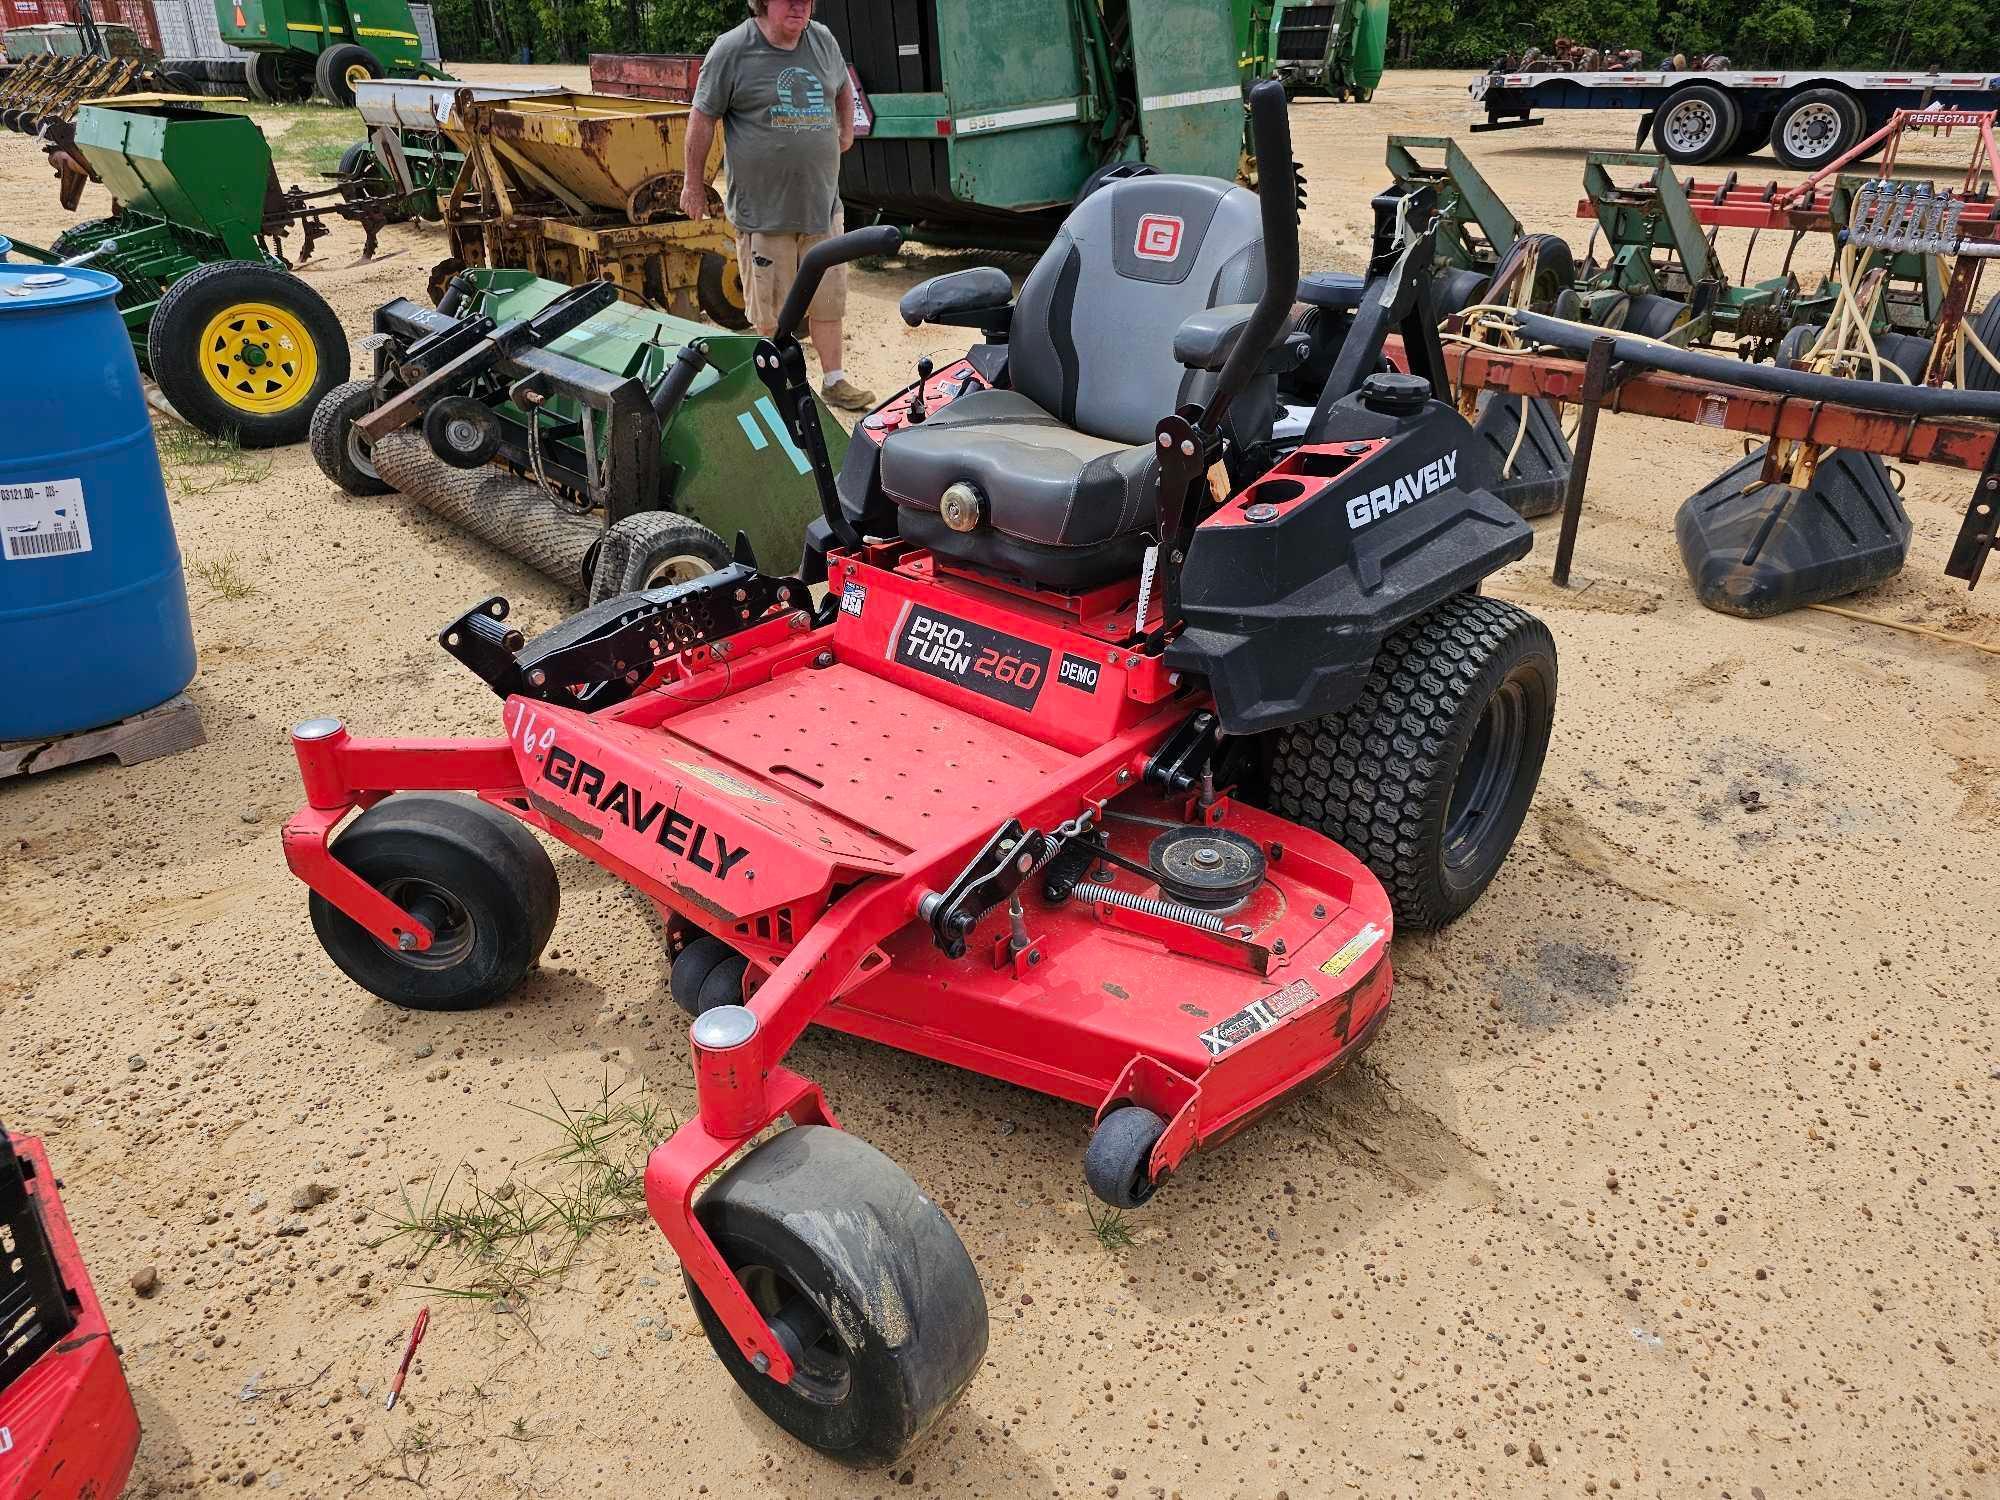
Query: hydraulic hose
x=1869, y=395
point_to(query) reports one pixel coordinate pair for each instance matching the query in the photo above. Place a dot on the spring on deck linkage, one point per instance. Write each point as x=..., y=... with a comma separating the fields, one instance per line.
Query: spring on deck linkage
x=1173, y=911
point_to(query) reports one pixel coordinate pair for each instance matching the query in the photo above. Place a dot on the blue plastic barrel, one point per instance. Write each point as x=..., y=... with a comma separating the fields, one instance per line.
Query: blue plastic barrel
x=5, y=245
x=93, y=608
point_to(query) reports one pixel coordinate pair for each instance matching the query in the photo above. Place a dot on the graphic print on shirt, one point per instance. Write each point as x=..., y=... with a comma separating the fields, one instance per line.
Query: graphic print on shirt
x=801, y=102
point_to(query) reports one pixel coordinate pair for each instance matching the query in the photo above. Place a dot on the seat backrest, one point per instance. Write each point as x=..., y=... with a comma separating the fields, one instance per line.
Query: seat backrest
x=1093, y=334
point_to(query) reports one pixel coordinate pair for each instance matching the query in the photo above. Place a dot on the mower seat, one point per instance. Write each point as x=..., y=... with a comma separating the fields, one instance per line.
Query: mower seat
x=1063, y=462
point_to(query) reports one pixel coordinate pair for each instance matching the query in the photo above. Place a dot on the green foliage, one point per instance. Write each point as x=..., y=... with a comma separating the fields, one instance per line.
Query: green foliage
x=569, y=30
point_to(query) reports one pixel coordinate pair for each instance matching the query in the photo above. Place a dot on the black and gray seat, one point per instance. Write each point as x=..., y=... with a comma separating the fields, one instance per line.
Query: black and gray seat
x=1126, y=318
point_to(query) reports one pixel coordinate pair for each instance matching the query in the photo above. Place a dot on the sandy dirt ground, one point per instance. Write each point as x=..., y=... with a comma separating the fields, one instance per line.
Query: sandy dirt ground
x=1672, y=1174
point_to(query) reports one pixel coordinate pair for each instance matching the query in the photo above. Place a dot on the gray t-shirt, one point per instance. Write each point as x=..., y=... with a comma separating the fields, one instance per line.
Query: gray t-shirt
x=780, y=133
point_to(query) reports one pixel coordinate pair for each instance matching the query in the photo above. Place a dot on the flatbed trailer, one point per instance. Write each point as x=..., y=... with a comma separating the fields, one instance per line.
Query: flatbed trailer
x=1809, y=118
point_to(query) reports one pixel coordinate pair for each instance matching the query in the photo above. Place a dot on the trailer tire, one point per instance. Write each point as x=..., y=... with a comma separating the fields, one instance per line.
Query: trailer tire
x=339, y=68
x=491, y=884
x=1752, y=135
x=718, y=290
x=1696, y=124
x=862, y=1275
x=654, y=549
x=340, y=451
x=1979, y=375
x=1815, y=127
x=1427, y=777
x=298, y=343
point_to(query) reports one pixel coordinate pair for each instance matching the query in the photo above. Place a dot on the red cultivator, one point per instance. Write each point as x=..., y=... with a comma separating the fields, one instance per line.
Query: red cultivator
x=1053, y=785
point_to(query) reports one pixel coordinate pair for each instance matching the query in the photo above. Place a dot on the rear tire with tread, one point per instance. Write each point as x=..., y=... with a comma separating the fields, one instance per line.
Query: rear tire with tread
x=1979, y=375
x=1467, y=689
x=652, y=549
x=331, y=74
x=337, y=448
x=1696, y=124
x=473, y=873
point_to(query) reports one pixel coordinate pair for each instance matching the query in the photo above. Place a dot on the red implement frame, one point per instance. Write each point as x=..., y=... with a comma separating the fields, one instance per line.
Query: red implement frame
x=798, y=792
x=69, y=1421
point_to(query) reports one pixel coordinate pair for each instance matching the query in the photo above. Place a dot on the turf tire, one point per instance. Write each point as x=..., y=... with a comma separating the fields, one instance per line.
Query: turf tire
x=330, y=72
x=1379, y=778
x=336, y=447
x=643, y=549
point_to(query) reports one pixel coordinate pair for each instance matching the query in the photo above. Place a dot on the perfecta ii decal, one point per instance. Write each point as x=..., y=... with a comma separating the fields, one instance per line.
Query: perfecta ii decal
x=1257, y=1016
x=673, y=830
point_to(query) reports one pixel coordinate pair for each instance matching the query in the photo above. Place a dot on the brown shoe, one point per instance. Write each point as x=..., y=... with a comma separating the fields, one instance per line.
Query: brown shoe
x=848, y=396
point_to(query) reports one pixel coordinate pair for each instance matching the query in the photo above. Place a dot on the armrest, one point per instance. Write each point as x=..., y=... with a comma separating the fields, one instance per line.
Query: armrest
x=982, y=297
x=1205, y=340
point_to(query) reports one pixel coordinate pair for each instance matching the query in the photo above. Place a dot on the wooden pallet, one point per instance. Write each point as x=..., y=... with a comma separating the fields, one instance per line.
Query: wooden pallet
x=172, y=727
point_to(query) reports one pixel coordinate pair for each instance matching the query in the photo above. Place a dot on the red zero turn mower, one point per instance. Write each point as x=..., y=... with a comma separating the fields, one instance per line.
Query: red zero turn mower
x=1089, y=772
x=67, y=1426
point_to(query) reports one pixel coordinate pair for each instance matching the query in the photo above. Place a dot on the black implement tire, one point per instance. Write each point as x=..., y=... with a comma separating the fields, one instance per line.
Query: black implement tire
x=718, y=289
x=340, y=451
x=653, y=549
x=1118, y=1160
x=491, y=886
x=264, y=77
x=1753, y=133
x=1555, y=272
x=1696, y=124
x=1654, y=316
x=215, y=306
x=692, y=966
x=1979, y=375
x=71, y=240
x=1815, y=127
x=1427, y=777
x=339, y=68
x=863, y=1275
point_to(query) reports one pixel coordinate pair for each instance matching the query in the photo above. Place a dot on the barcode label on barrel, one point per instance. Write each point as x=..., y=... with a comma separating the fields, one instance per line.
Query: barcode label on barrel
x=42, y=519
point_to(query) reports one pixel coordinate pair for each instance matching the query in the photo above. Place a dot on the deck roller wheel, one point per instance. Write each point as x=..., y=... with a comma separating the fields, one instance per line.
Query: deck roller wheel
x=863, y=1280
x=472, y=874
x=1428, y=776
x=246, y=352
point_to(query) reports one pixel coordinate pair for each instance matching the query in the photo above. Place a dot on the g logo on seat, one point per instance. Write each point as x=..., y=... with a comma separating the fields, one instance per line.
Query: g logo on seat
x=1159, y=237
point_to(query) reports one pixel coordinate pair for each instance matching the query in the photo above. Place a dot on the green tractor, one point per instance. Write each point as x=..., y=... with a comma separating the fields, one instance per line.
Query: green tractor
x=305, y=48
x=239, y=346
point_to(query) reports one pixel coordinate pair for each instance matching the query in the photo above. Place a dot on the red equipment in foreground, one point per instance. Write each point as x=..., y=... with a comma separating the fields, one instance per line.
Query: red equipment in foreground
x=1047, y=786
x=67, y=1427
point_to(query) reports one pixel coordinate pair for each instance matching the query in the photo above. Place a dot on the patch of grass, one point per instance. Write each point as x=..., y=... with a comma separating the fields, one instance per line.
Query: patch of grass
x=1109, y=1225
x=224, y=575
x=507, y=1242
x=195, y=463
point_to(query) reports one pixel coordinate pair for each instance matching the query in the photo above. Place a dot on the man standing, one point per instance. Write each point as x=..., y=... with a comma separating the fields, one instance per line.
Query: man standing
x=780, y=88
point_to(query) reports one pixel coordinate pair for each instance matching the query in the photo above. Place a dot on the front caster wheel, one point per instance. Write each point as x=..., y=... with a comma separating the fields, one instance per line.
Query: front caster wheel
x=864, y=1281
x=1427, y=777
x=1118, y=1162
x=472, y=874
x=707, y=973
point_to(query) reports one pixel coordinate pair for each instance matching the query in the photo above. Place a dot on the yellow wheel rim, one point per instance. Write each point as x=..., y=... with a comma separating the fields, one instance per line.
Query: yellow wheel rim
x=732, y=283
x=258, y=358
x=358, y=73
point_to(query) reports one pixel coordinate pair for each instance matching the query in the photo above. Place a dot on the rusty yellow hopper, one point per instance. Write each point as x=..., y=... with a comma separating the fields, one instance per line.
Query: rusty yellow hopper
x=586, y=187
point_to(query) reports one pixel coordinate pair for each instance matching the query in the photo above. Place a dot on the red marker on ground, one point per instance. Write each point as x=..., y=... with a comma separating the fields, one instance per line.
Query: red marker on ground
x=416, y=1338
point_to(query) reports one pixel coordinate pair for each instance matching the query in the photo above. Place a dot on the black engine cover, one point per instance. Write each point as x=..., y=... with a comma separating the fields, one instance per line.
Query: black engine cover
x=1387, y=518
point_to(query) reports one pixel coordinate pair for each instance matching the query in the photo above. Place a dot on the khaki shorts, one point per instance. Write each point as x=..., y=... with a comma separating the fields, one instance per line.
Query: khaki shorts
x=769, y=263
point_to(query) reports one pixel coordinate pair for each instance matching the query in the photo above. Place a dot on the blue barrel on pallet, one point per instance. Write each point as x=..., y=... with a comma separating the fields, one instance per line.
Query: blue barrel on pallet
x=5, y=246
x=93, y=608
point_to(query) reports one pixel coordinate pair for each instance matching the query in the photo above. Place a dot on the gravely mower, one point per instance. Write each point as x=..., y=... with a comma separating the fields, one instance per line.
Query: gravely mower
x=1121, y=739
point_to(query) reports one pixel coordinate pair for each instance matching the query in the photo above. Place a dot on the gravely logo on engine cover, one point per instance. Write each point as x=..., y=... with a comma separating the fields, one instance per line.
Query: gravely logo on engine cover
x=672, y=830
x=1401, y=491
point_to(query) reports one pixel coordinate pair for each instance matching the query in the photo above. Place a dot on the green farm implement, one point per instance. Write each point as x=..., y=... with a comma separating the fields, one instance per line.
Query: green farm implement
x=237, y=344
x=610, y=446
x=1337, y=50
x=300, y=49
